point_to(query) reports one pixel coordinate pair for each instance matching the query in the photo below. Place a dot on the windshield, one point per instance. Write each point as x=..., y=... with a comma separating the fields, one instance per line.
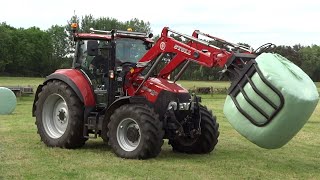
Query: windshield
x=91, y=49
x=130, y=50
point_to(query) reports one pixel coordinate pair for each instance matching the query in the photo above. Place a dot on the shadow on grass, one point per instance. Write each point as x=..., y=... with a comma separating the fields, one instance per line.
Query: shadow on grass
x=236, y=152
x=97, y=146
x=172, y=155
x=313, y=122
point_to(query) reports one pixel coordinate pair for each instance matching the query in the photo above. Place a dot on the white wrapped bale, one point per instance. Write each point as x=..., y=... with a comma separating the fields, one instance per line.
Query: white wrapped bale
x=8, y=101
x=300, y=99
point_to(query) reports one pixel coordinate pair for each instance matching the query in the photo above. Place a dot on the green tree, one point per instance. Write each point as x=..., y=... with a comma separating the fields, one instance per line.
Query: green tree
x=6, y=44
x=60, y=47
x=291, y=53
x=310, y=57
x=87, y=22
x=30, y=52
x=138, y=25
x=107, y=23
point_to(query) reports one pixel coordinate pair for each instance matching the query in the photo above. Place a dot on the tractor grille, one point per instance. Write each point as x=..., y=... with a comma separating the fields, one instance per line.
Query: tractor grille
x=165, y=97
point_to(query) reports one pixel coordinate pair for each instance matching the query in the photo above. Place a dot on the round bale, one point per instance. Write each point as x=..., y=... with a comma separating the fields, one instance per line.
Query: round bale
x=8, y=101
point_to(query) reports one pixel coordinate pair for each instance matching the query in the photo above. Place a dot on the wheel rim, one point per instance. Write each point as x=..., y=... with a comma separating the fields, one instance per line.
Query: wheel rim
x=128, y=134
x=55, y=116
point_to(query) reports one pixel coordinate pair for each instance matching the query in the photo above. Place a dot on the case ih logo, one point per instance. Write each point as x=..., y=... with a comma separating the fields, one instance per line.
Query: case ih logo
x=182, y=49
x=162, y=46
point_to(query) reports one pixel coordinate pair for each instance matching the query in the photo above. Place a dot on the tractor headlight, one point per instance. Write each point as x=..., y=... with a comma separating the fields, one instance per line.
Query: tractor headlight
x=172, y=105
x=119, y=69
x=180, y=106
x=184, y=106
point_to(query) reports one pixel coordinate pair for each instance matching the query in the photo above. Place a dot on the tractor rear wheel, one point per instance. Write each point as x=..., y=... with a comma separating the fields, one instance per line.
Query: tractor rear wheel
x=205, y=142
x=135, y=132
x=59, y=116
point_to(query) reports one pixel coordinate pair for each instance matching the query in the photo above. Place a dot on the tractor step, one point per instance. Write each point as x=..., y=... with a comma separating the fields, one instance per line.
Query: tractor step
x=92, y=125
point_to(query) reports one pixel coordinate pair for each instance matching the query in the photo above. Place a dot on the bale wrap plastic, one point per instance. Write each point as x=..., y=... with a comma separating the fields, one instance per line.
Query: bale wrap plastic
x=300, y=99
x=8, y=101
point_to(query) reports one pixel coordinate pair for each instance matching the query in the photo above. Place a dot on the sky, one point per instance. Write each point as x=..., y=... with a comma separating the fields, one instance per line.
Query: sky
x=255, y=22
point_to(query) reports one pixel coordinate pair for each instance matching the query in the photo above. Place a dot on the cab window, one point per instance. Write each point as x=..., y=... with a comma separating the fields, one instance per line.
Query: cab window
x=130, y=50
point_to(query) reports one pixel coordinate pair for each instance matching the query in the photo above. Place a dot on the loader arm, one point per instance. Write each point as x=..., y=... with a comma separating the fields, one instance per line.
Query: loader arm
x=197, y=51
x=223, y=57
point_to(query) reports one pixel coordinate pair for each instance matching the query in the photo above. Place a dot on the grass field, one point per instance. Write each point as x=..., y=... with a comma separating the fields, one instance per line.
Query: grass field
x=215, y=84
x=23, y=156
x=20, y=81
x=318, y=86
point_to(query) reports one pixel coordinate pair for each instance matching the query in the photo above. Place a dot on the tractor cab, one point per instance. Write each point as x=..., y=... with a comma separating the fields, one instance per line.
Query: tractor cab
x=105, y=58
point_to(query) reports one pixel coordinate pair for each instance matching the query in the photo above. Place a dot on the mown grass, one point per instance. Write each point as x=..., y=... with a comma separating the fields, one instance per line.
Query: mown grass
x=20, y=81
x=318, y=86
x=214, y=84
x=23, y=156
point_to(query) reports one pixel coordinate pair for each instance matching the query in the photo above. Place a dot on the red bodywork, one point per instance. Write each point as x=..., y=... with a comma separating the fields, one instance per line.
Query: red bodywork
x=222, y=55
x=153, y=86
x=195, y=50
x=81, y=82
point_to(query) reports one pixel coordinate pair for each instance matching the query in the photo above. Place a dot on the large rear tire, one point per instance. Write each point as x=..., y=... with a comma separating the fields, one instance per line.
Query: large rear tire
x=135, y=132
x=202, y=144
x=59, y=116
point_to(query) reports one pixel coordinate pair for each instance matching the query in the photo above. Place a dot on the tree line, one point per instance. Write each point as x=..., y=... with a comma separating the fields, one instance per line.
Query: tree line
x=36, y=52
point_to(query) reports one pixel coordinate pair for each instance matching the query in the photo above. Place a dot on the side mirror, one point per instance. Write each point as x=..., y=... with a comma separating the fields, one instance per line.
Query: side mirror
x=92, y=48
x=148, y=45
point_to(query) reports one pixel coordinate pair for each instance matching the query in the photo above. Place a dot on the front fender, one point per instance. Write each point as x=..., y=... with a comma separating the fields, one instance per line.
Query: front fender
x=126, y=100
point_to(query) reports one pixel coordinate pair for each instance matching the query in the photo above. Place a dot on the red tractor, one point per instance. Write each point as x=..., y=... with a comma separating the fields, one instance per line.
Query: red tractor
x=122, y=88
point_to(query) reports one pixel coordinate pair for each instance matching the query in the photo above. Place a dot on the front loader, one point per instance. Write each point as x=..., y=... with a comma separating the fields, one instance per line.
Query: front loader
x=130, y=101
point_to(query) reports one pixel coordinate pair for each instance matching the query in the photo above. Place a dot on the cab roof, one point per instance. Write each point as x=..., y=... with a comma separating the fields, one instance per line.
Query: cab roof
x=107, y=37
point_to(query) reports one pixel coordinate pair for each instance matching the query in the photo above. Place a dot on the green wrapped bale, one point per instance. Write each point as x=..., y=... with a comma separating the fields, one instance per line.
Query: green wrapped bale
x=8, y=101
x=300, y=97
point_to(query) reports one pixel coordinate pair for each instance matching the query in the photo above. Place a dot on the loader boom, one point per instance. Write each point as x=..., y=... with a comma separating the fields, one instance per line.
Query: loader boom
x=182, y=52
x=193, y=50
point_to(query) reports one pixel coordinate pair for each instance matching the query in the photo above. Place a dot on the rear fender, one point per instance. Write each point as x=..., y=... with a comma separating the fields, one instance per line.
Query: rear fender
x=78, y=83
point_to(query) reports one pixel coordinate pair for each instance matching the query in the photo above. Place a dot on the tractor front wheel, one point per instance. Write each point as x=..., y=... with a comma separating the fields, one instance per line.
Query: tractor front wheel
x=135, y=132
x=59, y=116
x=205, y=142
